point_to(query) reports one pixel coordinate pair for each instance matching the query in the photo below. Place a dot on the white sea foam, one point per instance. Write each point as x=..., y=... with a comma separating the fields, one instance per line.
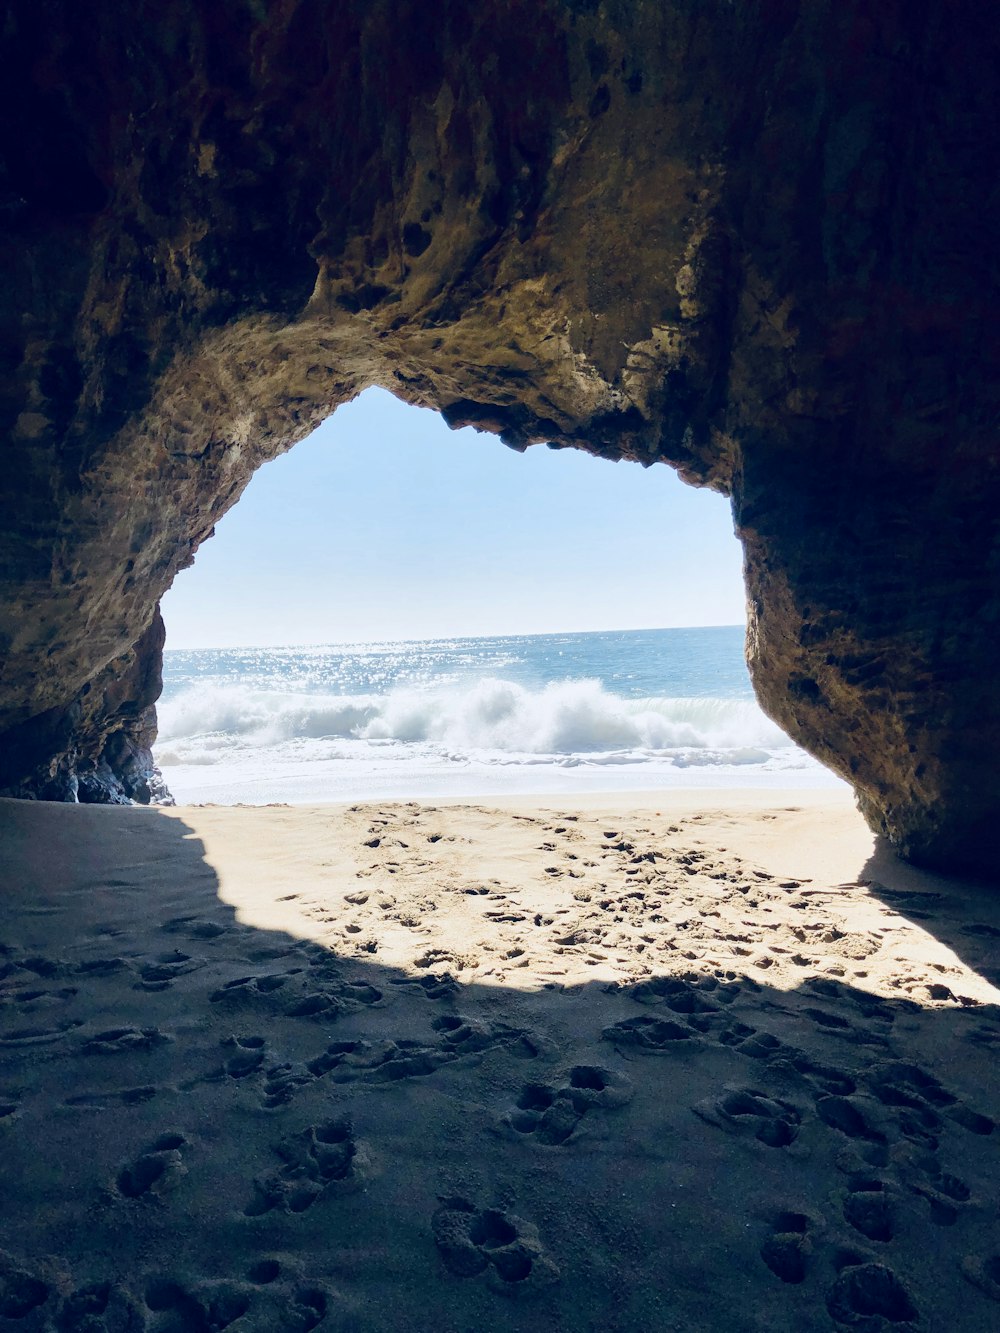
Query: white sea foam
x=535, y=714
x=232, y=743
x=559, y=720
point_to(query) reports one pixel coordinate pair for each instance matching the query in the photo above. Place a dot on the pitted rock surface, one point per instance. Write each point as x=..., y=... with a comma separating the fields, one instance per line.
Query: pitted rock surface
x=753, y=242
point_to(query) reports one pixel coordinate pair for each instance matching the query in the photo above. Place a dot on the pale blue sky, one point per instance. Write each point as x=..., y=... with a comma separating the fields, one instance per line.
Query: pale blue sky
x=385, y=524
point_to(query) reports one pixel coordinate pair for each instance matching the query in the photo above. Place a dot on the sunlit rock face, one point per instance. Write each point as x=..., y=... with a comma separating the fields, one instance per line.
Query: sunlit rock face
x=756, y=242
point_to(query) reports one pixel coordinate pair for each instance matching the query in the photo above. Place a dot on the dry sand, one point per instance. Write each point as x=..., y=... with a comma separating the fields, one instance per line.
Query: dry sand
x=704, y=1061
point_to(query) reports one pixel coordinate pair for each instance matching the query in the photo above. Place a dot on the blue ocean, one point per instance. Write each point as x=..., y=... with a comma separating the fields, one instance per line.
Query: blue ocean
x=549, y=713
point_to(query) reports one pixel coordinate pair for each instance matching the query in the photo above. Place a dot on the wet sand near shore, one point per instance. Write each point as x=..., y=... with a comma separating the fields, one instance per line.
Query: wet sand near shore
x=696, y=1061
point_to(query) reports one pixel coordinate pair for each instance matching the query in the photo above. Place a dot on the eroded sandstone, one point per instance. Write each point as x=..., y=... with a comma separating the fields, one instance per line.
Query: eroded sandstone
x=751, y=241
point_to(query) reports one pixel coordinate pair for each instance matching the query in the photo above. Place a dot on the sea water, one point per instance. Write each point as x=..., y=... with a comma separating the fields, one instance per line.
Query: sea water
x=550, y=713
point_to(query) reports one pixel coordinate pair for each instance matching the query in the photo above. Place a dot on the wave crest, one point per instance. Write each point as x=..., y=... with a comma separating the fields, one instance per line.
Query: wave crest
x=566, y=718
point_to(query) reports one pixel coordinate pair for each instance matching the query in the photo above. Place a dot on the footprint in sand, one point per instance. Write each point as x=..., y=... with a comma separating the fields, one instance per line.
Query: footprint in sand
x=501, y=916
x=164, y=970
x=38, y=1036
x=123, y=1041
x=21, y=1292
x=684, y=995
x=382, y=1061
x=105, y=930
x=194, y=1307
x=855, y=1117
x=317, y=1004
x=838, y=1026
x=36, y=964
x=865, y=1294
x=92, y=1307
x=262, y=1272
x=246, y=1055
x=823, y=1079
x=867, y=1209
x=432, y=956
x=321, y=1159
x=361, y=993
x=308, y=1308
x=82, y=1310
x=771, y=1120
x=156, y=1170
x=788, y=1249
x=435, y=985
x=105, y=1100
x=763, y=1046
x=102, y=967
x=242, y=990
x=550, y=1115
x=943, y=1192
x=491, y=1241
x=99, y=1307
x=987, y=1034
x=194, y=927
x=870, y=1005
x=336, y=998
x=281, y=1082
x=465, y=1036
x=983, y=1271
x=650, y=1036
x=30, y=1001
x=391, y=1061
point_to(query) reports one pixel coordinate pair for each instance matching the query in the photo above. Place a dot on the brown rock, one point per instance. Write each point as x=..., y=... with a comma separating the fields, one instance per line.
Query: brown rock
x=752, y=242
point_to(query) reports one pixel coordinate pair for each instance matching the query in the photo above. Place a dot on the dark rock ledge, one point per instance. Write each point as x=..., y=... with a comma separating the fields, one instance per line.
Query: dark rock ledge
x=99, y=750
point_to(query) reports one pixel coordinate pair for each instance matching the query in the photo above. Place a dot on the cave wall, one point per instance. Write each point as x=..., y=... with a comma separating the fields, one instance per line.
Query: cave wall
x=753, y=241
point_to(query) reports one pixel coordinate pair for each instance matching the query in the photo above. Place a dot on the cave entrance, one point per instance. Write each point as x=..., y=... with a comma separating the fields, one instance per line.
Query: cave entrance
x=397, y=609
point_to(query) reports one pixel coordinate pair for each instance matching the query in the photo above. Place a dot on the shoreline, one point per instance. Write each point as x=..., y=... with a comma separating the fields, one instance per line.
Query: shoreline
x=693, y=1060
x=303, y=786
x=634, y=798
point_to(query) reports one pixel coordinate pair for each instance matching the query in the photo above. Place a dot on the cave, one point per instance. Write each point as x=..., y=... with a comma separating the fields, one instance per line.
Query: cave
x=752, y=242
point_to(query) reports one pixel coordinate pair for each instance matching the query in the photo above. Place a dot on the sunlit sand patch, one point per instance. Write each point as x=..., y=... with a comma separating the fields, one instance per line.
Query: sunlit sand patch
x=526, y=896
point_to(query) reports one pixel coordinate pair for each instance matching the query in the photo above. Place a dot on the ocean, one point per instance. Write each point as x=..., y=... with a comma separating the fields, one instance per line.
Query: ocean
x=532, y=714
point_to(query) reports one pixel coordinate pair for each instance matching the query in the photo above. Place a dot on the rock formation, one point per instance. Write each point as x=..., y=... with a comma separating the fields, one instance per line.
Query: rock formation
x=754, y=241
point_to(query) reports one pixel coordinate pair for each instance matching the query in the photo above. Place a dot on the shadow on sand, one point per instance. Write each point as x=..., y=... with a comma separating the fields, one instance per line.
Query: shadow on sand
x=206, y=1125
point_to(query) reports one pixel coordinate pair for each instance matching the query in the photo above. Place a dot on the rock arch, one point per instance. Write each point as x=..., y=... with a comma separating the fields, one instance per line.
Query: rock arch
x=751, y=241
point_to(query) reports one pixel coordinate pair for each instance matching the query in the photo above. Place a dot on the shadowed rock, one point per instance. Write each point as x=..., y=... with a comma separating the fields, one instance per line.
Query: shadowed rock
x=751, y=242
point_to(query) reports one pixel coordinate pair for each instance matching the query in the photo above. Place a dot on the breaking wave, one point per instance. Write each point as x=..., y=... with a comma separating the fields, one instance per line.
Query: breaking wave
x=486, y=717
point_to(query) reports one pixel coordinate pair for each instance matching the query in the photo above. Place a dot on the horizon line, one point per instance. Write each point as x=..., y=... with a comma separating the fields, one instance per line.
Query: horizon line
x=436, y=638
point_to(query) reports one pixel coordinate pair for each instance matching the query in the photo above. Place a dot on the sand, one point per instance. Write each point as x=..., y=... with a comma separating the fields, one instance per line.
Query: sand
x=701, y=1061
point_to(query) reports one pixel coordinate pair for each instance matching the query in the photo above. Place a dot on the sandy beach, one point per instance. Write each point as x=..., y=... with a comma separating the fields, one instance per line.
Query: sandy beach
x=690, y=1061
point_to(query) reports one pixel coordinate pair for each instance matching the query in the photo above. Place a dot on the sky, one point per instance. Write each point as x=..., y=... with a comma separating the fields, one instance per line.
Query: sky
x=384, y=524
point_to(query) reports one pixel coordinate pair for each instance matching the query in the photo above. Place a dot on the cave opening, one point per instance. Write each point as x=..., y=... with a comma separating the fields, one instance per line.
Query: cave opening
x=681, y=1060
x=738, y=243
x=397, y=609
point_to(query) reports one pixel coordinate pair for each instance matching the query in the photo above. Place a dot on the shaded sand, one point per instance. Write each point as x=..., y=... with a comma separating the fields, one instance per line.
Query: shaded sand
x=703, y=1061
